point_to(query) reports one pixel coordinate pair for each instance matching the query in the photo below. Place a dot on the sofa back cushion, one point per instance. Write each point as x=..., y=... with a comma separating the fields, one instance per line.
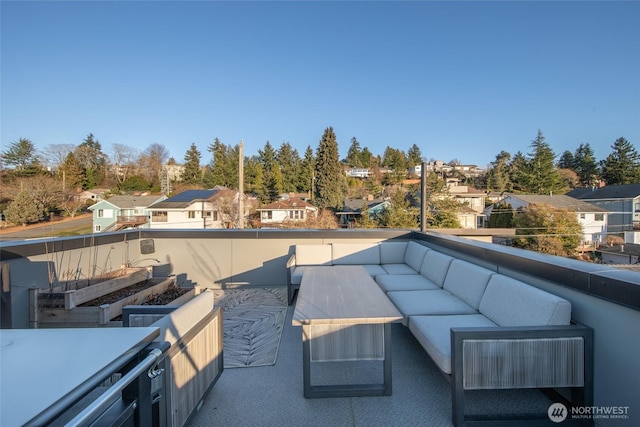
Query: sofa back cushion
x=356, y=253
x=414, y=255
x=435, y=266
x=510, y=302
x=467, y=281
x=392, y=252
x=313, y=254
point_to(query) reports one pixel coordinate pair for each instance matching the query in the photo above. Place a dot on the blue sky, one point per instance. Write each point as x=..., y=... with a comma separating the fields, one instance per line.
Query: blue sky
x=462, y=80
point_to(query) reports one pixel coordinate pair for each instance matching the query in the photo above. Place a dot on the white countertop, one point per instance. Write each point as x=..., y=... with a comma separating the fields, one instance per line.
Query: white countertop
x=40, y=366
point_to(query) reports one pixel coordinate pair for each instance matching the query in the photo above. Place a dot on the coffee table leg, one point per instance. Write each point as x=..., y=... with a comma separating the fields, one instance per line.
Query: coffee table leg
x=346, y=390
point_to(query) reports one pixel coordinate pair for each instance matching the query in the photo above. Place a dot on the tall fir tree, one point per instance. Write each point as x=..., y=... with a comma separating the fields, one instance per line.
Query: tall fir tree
x=567, y=160
x=94, y=162
x=192, y=174
x=498, y=175
x=622, y=166
x=585, y=166
x=289, y=162
x=307, y=172
x=216, y=173
x=330, y=183
x=353, y=155
x=545, y=176
x=414, y=156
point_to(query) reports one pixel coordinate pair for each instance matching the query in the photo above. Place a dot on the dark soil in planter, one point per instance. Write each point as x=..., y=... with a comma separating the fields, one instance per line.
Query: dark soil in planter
x=172, y=293
x=163, y=299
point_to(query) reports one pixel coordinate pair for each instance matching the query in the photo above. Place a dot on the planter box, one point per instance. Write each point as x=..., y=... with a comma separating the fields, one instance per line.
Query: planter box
x=91, y=316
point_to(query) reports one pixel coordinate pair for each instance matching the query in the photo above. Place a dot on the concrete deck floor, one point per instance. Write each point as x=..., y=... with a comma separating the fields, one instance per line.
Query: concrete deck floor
x=273, y=395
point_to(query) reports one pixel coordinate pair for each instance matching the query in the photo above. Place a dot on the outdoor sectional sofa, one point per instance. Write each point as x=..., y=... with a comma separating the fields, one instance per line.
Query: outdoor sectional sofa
x=483, y=329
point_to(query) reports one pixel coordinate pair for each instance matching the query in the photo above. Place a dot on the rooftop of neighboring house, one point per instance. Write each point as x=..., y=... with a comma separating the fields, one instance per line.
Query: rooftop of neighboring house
x=623, y=248
x=189, y=197
x=354, y=205
x=129, y=202
x=627, y=191
x=560, y=201
x=291, y=203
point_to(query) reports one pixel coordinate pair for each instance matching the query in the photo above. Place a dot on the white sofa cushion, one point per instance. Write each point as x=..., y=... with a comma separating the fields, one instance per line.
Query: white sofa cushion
x=313, y=254
x=467, y=281
x=372, y=269
x=414, y=255
x=356, y=253
x=510, y=302
x=404, y=282
x=397, y=269
x=434, y=334
x=438, y=301
x=392, y=252
x=435, y=266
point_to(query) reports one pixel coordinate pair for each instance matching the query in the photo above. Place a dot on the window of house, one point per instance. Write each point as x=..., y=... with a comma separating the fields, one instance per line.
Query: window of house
x=191, y=214
x=100, y=213
x=599, y=217
x=159, y=216
x=294, y=214
x=98, y=228
x=215, y=215
x=582, y=216
x=267, y=215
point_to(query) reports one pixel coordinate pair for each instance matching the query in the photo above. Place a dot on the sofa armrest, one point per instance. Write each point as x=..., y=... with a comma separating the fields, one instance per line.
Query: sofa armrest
x=521, y=357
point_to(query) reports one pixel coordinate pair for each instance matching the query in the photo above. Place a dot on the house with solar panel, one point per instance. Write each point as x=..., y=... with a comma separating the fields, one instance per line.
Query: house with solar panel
x=213, y=208
x=122, y=212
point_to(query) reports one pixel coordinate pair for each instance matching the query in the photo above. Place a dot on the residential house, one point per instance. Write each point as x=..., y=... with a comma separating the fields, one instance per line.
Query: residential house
x=472, y=201
x=95, y=194
x=622, y=201
x=593, y=219
x=285, y=211
x=357, y=172
x=213, y=208
x=120, y=212
x=628, y=253
x=353, y=209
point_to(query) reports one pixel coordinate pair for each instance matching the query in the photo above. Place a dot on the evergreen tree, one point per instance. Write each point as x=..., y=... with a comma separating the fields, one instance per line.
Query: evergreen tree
x=289, y=162
x=92, y=160
x=307, y=172
x=585, y=166
x=622, y=166
x=365, y=158
x=395, y=160
x=498, y=174
x=330, y=182
x=545, y=177
x=72, y=172
x=520, y=174
x=232, y=166
x=259, y=188
x=354, y=153
x=275, y=185
x=267, y=158
x=414, y=156
x=192, y=174
x=567, y=160
x=399, y=214
x=25, y=209
x=22, y=156
x=216, y=173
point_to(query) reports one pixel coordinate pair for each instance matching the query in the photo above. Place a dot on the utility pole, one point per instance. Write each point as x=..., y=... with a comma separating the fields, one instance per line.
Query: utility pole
x=241, y=184
x=423, y=197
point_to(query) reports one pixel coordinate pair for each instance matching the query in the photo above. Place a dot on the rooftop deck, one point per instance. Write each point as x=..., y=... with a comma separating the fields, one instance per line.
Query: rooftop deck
x=273, y=395
x=604, y=298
